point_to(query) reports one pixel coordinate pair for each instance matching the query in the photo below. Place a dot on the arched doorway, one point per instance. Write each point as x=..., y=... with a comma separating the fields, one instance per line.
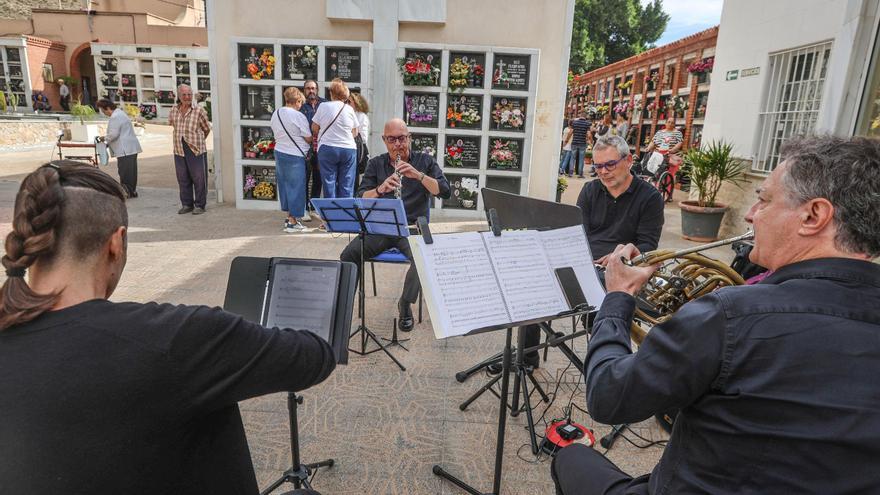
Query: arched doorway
x=82, y=70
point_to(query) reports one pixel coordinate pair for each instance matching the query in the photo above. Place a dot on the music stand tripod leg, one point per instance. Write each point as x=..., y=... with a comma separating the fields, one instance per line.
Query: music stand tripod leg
x=461, y=376
x=299, y=473
x=394, y=341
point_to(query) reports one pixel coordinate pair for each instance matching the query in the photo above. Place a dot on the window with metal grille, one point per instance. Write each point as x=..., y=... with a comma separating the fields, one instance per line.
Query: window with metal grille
x=792, y=100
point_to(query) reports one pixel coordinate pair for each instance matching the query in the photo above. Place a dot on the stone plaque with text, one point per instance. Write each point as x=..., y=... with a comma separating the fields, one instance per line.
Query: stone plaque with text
x=511, y=72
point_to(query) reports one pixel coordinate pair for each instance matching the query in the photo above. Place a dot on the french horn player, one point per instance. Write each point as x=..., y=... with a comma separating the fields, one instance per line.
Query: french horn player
x=776, y=382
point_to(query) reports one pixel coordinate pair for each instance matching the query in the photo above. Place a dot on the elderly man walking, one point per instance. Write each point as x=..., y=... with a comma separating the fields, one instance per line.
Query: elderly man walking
x=191, y=127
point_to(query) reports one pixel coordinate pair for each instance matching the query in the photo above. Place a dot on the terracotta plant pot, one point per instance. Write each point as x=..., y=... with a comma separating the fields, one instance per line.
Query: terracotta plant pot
x=701, y=223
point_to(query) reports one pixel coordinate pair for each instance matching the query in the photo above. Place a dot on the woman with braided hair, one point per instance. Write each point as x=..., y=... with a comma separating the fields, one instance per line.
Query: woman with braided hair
x=107, y=397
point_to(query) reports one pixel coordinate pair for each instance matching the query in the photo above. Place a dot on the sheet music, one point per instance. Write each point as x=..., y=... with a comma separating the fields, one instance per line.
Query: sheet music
x=569, y=247
x=461, y=290
x=527, y=281
x=303, y=298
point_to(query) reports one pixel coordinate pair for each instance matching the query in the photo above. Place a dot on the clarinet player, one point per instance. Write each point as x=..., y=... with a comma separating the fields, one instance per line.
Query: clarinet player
x=413, y=177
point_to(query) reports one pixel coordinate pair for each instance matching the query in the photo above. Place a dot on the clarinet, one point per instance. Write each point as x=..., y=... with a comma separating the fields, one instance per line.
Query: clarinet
x=397, y=190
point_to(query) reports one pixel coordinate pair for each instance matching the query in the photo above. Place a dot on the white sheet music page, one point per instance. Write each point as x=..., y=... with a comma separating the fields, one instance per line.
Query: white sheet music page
x=527, y=282
x=461, y=290
x=569, y=247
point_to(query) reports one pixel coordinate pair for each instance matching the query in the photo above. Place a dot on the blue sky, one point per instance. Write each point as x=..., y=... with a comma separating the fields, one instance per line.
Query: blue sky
x=689, y=17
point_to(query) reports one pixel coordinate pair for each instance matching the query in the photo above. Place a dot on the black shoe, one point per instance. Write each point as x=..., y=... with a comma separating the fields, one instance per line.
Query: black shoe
x=405, y=317
x=185, y=209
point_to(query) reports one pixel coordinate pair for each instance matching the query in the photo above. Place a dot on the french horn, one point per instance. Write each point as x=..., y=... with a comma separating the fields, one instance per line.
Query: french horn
x=683, y=276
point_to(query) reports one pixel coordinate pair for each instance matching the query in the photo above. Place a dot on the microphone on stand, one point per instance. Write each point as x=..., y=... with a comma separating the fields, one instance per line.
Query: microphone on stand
x=608, y=440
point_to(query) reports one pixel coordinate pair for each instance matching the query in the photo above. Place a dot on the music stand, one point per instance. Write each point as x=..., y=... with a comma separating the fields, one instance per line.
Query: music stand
x=505, y=368
x=364, y=216
x=249, y=294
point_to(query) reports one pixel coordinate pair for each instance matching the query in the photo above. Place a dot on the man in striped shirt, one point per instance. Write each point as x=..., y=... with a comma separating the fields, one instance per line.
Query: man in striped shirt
x=580, y=138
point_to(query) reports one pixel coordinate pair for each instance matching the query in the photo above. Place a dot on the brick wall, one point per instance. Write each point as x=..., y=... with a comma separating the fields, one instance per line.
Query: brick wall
x=41, y=51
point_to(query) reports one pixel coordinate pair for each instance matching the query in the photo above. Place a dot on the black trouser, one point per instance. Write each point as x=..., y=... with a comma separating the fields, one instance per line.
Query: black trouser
x=313, y=173
x=581, y=470
x=128, y=172
x=375, y=244
x=65, y=103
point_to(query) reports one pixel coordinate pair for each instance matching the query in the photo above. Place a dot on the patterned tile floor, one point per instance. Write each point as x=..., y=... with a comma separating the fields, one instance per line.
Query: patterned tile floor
x=384, y=428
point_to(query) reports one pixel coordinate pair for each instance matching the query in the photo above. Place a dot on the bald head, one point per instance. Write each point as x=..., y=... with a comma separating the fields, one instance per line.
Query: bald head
x=396, y=138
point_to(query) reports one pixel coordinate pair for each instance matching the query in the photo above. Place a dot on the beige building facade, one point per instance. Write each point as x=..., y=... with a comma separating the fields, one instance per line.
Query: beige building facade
x=522, y=49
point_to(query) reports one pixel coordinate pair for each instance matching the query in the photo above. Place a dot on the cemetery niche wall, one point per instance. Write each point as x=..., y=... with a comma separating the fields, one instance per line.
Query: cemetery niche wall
x=472, y=108
x=260, y=71
x=148, y=76
x=14, y=82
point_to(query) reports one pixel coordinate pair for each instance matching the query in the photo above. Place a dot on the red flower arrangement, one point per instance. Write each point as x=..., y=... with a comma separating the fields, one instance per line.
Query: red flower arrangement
x=704, y=65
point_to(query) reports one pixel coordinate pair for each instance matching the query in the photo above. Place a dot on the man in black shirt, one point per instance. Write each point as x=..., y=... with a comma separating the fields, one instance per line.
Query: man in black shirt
x=104, y=397
x=776, y=382
x=619, y=208
x=422, y=179
x=579, y=139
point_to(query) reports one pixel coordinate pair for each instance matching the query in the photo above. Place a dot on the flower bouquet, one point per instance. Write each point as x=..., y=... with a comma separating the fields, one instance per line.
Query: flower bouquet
x=417, y=71
x=249, y=184
x=507, y=115
x=680, y=105
x=464, y=74
x=148, y=111
x=264, y=149
x=310, y=56
x=265, y=191
x=263, y=66
x=502, y=155
x=621, y=107
x=165, y=96
x=453, y=156
x=704, y=65
x=466, y=191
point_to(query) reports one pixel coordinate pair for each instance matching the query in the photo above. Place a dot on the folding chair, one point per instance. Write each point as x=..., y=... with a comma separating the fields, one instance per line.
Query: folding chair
x=394, y=256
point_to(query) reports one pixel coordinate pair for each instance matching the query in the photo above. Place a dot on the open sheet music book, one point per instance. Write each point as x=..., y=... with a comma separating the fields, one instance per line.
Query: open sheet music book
x=474, y=280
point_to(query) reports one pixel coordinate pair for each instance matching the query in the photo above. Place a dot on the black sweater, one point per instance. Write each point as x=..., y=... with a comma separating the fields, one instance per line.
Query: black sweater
x=140, y=398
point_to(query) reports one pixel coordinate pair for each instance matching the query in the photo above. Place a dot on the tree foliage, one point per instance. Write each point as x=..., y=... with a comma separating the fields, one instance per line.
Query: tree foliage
x=606, y=31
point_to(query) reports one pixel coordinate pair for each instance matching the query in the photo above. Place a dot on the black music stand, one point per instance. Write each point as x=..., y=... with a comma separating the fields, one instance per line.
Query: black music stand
x=505, y=368
x=365, y=216
x=248, y=294
x=512, y=211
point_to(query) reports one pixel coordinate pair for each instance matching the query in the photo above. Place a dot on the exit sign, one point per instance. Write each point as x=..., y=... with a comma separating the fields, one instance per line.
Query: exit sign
x=732, y=75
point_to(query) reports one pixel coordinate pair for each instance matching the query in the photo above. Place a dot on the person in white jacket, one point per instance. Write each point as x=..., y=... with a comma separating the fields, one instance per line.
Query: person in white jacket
x=123, y=144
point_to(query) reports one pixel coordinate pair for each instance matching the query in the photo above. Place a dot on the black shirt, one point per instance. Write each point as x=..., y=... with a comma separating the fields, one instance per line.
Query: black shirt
x=580, y=128
x=133, y=398
x=636, y=216
x=777, y=382
x=414, y=195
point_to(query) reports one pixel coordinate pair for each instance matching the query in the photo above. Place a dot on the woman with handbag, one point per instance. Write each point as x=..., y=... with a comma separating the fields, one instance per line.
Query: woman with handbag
x=336, y=126
x=360, y=106
x=292, y=138
x=123, y=144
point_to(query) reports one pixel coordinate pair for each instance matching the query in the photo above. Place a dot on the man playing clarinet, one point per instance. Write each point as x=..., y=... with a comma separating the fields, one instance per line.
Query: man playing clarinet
x=409, y=175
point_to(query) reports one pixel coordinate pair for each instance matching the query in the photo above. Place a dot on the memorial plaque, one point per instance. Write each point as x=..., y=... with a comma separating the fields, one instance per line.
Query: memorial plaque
x=506, y=184
x=255, y=61
x=462, y=152
x=259, y=182
x=505, y=154
x=181, y=67
x=14, y=71
x=148, y=112
x=466, y=70
x=511, y=72
x=426, y=143
x=143, y=49
x=351, y=89
x=13, y=54
x=2, y=84
x=184, y=80
x=204, y=84
x=464, y=111
x=421, y=67
x=508, y=114
x=166, y=97
x=344, y=63
x=257, y=102
x=257, y=143
x=129, y=95
x=300, y=62
x=128, y=81
x=108, y=64
x=465, y=191
x=203, y=69
x=421, y=109
x=109, y=80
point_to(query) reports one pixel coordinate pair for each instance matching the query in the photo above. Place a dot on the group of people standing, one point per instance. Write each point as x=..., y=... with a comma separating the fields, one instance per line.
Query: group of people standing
x=321, y=140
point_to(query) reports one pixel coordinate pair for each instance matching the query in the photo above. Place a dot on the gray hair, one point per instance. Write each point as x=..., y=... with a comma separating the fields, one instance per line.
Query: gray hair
x=612, y=142
x=846, y=172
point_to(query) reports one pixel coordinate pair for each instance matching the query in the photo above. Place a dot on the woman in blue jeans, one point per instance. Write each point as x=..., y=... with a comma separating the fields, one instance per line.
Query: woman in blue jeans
x=336, y=125
x=292, y=138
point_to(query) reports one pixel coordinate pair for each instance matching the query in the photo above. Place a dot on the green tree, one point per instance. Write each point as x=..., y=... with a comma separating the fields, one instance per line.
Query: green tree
x=606, y=31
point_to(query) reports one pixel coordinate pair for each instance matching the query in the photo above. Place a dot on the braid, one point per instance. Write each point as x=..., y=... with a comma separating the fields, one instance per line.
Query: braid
x=33, y=236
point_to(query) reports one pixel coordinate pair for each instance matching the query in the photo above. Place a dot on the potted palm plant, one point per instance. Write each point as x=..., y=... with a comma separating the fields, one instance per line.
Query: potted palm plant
x=709, y=168
x=83, y=132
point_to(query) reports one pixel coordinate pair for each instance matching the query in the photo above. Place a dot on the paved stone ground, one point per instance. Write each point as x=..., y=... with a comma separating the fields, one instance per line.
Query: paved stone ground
x=385, y=428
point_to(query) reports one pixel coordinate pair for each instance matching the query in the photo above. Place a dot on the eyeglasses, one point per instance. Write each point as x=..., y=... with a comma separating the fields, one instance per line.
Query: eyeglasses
x=609, y=165
x=396, y=139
